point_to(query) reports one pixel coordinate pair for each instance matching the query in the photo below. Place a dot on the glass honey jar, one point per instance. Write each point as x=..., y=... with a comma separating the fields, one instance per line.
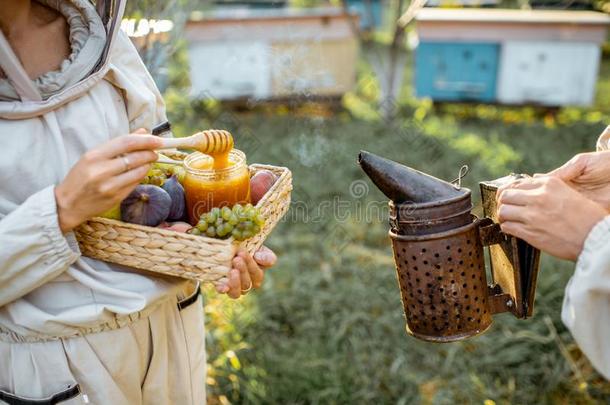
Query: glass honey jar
x=207, y=187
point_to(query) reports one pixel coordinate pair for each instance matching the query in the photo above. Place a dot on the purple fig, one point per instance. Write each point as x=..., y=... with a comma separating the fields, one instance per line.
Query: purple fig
x=146, y=205
x=175, y=190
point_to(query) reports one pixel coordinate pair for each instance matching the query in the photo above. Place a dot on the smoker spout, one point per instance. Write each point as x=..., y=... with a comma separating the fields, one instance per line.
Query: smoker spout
x=404, y=184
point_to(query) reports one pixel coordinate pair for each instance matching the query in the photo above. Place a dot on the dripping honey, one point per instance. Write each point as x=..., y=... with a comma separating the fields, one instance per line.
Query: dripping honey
x=221, y=161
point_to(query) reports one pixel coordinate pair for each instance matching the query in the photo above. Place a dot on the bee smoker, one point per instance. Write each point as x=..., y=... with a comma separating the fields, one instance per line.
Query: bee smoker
x=439, y=254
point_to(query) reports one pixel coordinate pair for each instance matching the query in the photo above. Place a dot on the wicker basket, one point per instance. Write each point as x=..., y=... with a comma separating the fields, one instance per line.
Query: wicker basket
x=180, y=254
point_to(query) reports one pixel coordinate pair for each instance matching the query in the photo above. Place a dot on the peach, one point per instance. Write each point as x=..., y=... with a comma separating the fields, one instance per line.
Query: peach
x=260, y=183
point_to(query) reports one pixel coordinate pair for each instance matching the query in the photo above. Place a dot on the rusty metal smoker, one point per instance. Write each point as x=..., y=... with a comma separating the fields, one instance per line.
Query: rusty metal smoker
x=440, y=261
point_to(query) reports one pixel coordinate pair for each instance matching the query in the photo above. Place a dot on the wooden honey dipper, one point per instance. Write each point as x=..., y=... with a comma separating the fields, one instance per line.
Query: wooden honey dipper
x=213, y=142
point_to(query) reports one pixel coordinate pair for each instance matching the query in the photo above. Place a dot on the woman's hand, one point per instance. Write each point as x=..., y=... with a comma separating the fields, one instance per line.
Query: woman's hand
x=103, y=177
x=548, y=214
x=589, y=174
x=247, y=272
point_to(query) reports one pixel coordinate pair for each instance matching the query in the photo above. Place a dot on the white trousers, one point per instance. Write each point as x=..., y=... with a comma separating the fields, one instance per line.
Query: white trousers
x=157, y=359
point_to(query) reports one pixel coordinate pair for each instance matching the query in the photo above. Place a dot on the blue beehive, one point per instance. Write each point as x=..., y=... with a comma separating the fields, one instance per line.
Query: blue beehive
x=369, y=11
x=465, y=71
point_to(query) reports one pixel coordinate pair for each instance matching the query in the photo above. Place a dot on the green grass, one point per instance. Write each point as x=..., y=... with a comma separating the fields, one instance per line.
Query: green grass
x=328, y=325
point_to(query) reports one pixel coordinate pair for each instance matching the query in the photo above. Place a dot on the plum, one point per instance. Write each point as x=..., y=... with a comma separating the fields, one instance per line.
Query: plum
x=260, y=183
x=146, y=205
x=175, y=190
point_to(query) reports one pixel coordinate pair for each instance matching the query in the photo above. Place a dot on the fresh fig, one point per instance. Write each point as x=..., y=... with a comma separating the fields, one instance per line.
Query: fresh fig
x=260, y=183
x=146, y=205
x=175, y=190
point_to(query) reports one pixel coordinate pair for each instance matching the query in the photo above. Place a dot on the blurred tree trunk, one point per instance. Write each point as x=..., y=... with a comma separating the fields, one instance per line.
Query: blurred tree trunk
x=397, y=59
x=388, y=62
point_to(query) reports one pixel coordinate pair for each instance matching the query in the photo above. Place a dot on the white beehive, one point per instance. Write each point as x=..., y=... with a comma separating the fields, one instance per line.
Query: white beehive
x=270, y=54
x=548, y=73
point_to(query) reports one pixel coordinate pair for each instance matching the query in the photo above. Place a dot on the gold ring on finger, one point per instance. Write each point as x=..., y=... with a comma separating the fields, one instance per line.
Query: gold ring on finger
x=247, y=289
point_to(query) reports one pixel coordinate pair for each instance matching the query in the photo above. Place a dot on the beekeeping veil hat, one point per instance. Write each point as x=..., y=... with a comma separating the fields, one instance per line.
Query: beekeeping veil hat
x=93, y=27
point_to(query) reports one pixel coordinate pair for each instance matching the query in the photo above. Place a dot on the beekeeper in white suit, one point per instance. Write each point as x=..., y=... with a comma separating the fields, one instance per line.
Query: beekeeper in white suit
x=566, y=213
x=74, y=329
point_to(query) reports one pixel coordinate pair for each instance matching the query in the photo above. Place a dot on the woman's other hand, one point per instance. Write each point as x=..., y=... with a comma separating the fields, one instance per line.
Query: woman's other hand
x=247, y=272
x=103, y=177
x=548, y=214
x=589, y=174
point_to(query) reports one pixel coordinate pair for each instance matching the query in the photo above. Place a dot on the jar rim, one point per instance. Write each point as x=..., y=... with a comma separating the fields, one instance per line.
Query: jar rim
x=236, y=155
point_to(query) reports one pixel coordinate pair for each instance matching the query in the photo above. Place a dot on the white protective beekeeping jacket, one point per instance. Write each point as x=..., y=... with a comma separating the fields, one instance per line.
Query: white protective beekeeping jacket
x=71, y=325
x=586, y=305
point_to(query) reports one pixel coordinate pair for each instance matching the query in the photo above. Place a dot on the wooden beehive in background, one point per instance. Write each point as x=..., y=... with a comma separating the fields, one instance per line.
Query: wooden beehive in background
x=509, y=56
x=272, y=54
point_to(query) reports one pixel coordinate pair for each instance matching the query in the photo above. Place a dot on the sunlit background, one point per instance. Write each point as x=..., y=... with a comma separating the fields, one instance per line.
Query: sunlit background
x=307, y=84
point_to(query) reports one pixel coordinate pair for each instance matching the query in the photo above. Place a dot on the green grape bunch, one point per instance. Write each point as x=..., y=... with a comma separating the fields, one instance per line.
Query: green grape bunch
x=240, y=223
x=159, y=172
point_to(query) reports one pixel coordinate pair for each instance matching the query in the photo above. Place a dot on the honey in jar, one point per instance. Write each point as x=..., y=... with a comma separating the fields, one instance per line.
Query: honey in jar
x=215, y=182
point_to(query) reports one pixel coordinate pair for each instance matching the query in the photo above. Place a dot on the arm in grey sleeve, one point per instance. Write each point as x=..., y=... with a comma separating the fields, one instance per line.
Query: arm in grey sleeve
x=586, y=306
x=32, y=248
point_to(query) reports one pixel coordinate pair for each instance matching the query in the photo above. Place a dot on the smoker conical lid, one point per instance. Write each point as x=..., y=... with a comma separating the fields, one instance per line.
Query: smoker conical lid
x=401, y=183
